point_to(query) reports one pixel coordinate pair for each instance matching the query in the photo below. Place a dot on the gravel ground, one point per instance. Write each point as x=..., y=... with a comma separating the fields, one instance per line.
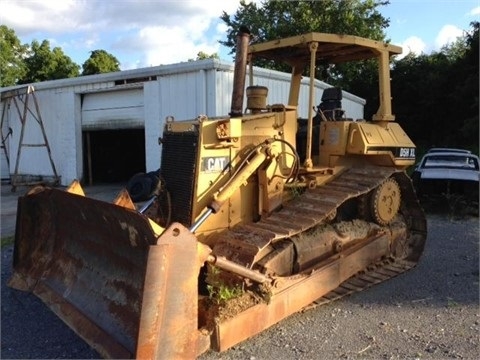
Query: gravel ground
x=430, y=312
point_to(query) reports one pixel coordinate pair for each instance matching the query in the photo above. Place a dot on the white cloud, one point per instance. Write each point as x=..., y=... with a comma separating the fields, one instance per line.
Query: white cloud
x=61, y=16
x=165, y=45
x=414, y=45
x=180, y=31
x=140, y=32
x=447, y=35
x=474, y=11
x=36, y=15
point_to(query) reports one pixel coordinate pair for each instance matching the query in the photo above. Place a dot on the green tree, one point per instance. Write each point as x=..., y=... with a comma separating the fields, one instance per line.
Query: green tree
x=466, y=89
x=100, y=62
x=12, y=53
x=421, y=90
x=456, y=50
x=45, y=64
x=277, y=19
x=435, y=96
x=203, y=55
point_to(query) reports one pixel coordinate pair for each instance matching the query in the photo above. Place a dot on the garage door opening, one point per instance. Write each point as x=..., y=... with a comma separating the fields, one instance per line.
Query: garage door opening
x=113, y=156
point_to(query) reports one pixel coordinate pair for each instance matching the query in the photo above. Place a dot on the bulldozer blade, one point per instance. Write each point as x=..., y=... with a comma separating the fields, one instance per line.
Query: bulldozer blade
x=169, y=318
x=124, y=199
x=87, y=260
x=75, y=188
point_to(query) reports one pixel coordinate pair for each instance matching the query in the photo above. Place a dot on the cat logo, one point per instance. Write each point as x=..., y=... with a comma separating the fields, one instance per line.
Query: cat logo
x=215, y=163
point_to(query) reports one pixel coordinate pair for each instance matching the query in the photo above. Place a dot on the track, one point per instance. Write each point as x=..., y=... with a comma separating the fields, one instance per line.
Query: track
x=244, y=243
x=381, y=272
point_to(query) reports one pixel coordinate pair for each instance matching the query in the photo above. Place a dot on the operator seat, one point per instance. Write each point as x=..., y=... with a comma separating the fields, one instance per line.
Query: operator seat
x=331, y=105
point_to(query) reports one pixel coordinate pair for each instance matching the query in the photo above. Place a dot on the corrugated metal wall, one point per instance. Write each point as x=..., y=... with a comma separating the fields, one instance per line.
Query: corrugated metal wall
x=56, y=110
x=60, y=110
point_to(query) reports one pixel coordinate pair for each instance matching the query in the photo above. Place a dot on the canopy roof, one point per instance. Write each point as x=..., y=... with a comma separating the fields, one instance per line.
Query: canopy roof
x=332, y=48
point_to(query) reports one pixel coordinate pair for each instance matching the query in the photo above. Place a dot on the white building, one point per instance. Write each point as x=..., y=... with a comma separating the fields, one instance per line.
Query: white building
x=105, y=128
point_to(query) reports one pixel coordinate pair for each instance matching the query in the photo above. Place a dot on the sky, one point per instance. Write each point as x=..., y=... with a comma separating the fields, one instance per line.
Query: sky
x=143, y=33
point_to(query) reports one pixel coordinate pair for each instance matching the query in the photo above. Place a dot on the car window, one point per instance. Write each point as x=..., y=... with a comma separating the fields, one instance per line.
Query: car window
x=474, y=163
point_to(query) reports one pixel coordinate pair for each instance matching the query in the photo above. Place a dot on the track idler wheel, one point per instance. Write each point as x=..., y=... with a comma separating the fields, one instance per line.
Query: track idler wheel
x=385, y=201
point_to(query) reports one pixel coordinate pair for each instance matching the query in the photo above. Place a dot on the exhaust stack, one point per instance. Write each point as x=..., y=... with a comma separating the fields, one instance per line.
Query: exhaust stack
x=240, y=71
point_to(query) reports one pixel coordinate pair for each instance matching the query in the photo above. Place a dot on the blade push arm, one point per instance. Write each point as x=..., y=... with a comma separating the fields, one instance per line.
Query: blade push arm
x=261, y=154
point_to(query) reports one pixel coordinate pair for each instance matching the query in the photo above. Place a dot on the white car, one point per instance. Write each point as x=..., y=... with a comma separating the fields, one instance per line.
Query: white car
x=448, y=172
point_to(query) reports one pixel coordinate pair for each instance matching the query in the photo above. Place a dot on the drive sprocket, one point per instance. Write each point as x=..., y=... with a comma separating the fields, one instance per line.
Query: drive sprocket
x=385, y=201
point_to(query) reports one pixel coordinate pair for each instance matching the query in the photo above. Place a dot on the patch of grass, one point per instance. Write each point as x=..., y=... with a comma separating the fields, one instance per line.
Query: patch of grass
x=221, y=294
x=7, y=241
x=453, y=206
x=218, y=290
x=451, y=303
x=295, y=192
x=459, y=206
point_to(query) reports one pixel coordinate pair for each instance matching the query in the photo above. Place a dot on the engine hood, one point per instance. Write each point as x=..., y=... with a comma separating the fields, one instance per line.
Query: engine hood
x=450, y=174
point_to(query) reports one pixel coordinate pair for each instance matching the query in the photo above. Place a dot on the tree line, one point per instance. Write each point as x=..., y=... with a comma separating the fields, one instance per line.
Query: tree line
x=435, y=96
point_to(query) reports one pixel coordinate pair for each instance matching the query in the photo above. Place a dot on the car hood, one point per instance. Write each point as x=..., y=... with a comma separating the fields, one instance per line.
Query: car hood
x=450, y=174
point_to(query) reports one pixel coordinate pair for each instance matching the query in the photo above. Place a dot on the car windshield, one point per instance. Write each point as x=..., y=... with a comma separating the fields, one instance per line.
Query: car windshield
x=451, y=161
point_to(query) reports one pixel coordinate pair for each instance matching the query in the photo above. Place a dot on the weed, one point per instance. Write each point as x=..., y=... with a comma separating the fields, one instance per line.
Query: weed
x=218, y=290
x=7, y=241
x=451, y=303
x=458, y=206
x=295, y=191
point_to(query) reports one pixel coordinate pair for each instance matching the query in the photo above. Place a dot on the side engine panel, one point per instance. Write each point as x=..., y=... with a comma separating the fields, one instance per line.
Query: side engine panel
x=379, y=143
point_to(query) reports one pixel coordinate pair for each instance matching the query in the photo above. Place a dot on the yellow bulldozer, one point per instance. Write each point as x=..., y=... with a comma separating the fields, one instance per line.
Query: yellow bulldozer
x=255, y=216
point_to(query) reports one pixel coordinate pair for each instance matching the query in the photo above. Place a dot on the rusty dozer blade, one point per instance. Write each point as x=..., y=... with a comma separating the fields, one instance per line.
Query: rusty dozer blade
x=169, y=319
x=88, y=260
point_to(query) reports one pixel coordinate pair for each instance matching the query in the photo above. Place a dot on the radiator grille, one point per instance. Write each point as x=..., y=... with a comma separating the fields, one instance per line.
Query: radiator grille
x=179, y=158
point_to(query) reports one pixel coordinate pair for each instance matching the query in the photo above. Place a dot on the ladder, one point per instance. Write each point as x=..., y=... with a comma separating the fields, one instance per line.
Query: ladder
x=20, y=100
